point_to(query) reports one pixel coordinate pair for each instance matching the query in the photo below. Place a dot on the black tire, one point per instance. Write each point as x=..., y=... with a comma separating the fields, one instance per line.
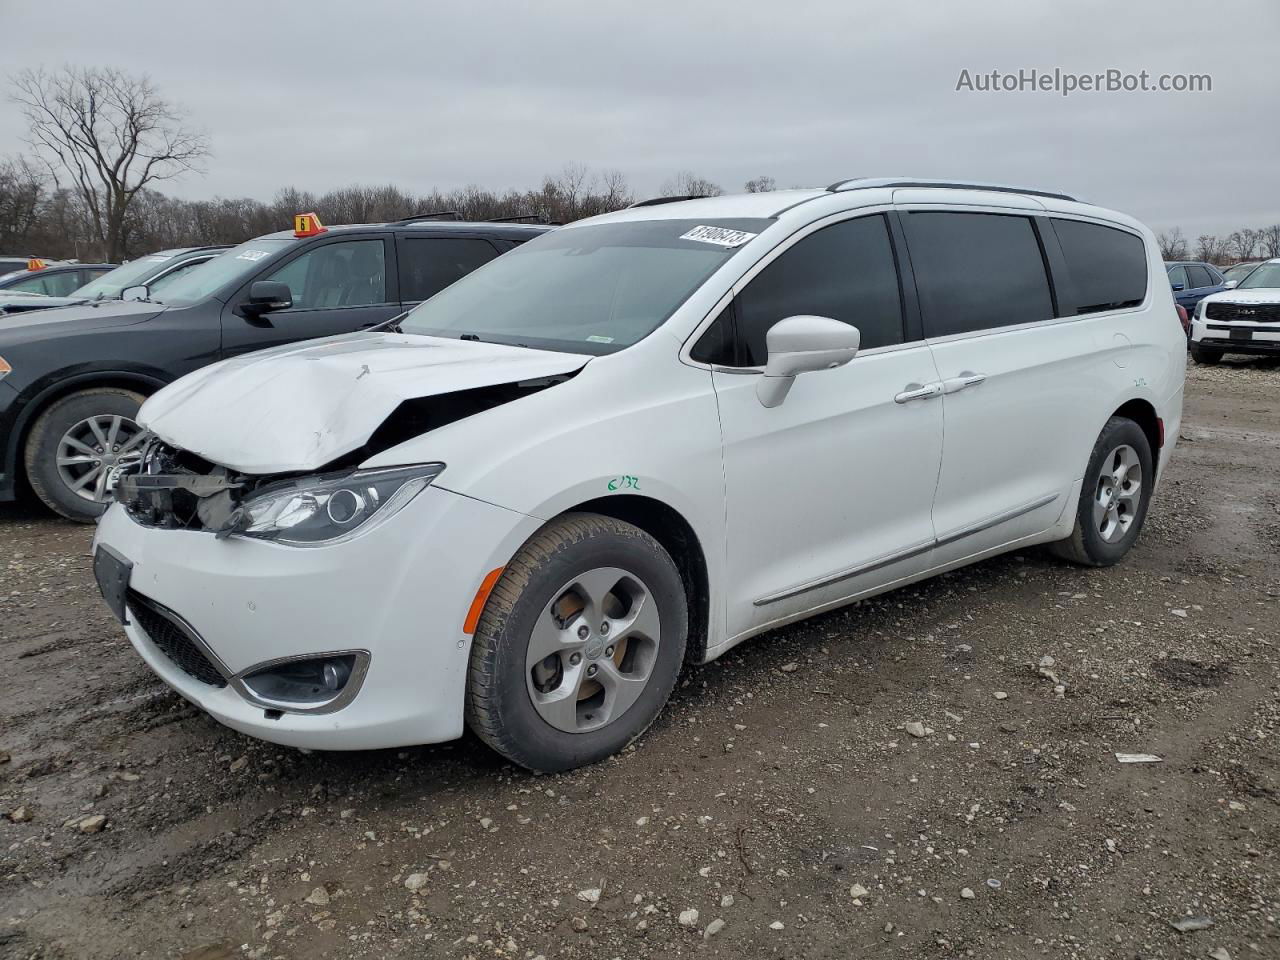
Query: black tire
x=1086, y=545
x=41, y=451
x=1205, y=355
x=499, y=706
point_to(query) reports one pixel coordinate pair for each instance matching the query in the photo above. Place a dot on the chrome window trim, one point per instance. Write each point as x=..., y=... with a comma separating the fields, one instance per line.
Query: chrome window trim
x=181, y=263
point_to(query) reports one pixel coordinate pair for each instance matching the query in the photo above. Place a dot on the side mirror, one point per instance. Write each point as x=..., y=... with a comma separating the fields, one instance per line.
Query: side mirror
x=140, y=292
x=1179, y=286
x=267, y=295
x=1230, y=284
x=803, y=344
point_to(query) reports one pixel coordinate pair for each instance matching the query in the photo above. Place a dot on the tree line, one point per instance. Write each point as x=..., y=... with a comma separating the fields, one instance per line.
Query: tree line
x=1237, y=246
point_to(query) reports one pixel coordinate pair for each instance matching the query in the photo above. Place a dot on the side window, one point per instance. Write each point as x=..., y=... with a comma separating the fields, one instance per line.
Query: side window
x=1178, y=275
x=1108, y=267
x=845, y=271
x=1199, y=276
x=351, y=273
x=977, y=271
x=429, y=264
x=50, y=285
x=181, y=270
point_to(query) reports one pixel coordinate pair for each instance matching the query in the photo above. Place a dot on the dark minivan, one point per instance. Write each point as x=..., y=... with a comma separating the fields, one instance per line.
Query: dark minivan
x=72, y=380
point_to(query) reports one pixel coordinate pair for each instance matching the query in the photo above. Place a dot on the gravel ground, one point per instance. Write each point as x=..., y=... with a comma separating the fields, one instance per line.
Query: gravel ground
x=907, y=777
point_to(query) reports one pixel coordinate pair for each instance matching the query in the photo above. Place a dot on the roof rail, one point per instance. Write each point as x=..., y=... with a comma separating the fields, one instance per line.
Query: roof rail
x=517, y=218
x=655, y=201
x=869, y=183
x=433, y=215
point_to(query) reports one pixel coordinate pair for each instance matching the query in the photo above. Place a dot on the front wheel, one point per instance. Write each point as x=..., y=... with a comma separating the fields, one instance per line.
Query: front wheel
x=76, y=447
x=1113, y=501
x=579, y=646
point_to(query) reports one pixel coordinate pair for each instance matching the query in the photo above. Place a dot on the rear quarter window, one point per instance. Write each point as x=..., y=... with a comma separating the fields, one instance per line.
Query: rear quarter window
x=1108, y=267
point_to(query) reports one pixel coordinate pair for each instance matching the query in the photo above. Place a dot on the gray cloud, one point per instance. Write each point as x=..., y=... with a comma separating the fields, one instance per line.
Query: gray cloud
x=322, y=94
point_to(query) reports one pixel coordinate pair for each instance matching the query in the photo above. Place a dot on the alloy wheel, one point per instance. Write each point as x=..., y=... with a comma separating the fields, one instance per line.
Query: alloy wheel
x=592, y=650
x=92, y=451
x=1118, y=493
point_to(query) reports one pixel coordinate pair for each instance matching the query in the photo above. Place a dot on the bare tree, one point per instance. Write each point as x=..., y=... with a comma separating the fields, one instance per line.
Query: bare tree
x=761, y=185
x=22, y=189
x=1210, y=248
x=1271, y=241
x=1173, y=245
x=686, y=184
x=111, y=133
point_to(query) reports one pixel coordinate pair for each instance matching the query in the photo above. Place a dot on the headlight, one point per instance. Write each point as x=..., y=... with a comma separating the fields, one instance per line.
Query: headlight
x=329, y=508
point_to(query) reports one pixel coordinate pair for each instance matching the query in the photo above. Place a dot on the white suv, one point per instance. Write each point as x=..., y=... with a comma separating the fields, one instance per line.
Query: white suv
x=633, y=443
x=1245, y=319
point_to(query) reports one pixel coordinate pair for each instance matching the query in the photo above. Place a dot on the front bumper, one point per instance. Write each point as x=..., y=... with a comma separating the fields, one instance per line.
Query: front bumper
x=1264, y=338
x=401, y=592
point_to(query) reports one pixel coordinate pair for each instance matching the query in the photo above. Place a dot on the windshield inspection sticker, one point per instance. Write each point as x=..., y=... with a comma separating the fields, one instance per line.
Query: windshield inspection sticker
x=596, y=338
x=720, y=236
x=253, y=255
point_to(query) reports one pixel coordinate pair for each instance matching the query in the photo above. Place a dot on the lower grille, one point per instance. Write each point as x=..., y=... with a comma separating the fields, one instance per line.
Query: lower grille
x=174, y=639
x=1256, y=312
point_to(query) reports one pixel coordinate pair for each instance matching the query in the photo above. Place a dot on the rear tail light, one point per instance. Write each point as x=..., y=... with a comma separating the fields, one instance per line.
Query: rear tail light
x=1183, y=318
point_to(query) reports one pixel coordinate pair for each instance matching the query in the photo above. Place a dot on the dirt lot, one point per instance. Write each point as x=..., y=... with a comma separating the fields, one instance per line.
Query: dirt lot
x=781, y=796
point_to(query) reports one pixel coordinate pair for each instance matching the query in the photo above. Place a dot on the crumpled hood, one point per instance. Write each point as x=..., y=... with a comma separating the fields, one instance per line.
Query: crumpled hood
x=1259, y=295
x=298, y=407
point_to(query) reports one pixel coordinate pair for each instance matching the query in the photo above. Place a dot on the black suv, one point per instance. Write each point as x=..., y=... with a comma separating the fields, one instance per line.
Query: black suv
x=72, y=379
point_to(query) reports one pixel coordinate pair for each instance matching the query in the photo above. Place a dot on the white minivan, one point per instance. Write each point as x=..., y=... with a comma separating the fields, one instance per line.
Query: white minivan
x=631, y=444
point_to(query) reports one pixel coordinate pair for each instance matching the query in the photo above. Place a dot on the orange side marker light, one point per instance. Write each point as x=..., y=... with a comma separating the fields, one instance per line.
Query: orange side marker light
x=482, y=596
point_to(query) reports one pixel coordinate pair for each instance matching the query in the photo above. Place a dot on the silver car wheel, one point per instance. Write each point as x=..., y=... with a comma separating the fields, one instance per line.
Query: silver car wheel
x=1118, y=493
x=93, y=450
x=592, y=650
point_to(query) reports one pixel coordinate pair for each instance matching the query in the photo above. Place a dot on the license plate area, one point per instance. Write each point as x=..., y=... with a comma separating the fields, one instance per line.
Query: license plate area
x=112, y=572
x=1239, y=334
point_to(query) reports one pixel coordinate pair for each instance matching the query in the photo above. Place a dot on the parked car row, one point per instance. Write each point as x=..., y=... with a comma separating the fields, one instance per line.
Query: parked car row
x=1244, y=320
x=72, y=379
x=41, y=279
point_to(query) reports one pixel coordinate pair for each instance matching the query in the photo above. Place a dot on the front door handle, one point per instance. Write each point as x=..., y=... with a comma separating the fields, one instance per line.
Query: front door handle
x=917, y=391
x=966, y=379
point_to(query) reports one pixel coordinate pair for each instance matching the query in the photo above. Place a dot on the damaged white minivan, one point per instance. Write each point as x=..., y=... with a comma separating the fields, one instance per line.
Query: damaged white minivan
x=632, y=443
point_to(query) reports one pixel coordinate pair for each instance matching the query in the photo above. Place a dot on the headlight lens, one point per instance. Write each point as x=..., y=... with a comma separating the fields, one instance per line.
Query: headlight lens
x=329, y=508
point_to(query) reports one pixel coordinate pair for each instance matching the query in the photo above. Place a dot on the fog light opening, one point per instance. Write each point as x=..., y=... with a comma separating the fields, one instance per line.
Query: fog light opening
x=305, y=683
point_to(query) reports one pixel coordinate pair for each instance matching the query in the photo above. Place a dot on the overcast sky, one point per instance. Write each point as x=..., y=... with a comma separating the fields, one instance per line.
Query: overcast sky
x=321, y=94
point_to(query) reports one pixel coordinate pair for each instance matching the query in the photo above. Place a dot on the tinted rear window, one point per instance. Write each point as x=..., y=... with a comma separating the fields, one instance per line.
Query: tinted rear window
x=977, y=271
x=429, y=264
x=1108, y=267
x=1199, y=276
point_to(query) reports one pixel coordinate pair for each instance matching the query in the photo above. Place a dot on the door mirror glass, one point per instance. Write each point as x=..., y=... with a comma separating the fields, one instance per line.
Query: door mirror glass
x=137, y=292
x=268, y=295
x=803, y=344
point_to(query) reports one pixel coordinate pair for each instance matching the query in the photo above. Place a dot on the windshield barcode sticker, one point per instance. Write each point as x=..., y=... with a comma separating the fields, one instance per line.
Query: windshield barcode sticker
x=253, y=254
x=158, y=259
x=720, y=236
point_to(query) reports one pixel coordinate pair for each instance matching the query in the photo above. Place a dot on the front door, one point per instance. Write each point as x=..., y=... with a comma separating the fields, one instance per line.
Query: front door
x=829, y=493
x=338, y=286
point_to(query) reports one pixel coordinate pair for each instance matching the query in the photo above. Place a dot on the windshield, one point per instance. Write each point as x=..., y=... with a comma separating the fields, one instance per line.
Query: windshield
x=111, y=284
x=1239, y=271
x=194, y=285
x=1267, y=275
x=592, y=289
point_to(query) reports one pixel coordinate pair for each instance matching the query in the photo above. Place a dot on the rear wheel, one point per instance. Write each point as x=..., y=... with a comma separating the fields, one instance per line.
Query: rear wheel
x=579, y=645
x=1114, y=499
x=1206, y=355
x=77, y=445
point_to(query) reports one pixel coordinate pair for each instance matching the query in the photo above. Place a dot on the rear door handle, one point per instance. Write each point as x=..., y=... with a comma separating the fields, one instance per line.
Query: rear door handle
x=966, y=379
x=916, y=391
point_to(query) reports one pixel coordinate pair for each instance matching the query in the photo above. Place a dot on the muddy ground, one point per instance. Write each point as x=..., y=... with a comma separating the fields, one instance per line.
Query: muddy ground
x=781, y=795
